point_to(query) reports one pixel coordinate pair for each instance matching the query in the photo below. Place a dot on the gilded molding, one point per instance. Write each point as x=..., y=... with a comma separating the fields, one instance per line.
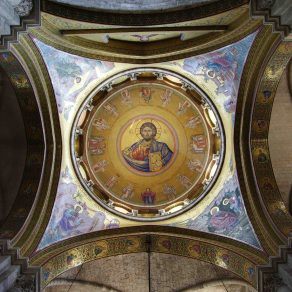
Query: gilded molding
x=263, y=201
x=259, y=148
x=261, y=50
x=265, y=64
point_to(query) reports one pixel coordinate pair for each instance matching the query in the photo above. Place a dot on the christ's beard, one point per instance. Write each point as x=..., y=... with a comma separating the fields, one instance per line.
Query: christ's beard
x=147, y=139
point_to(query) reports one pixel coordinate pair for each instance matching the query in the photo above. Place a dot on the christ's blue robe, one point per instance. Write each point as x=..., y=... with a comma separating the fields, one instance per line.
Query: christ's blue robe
x=143, y=165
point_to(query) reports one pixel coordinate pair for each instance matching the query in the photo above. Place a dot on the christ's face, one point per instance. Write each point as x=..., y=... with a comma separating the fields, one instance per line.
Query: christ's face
x=147, y=133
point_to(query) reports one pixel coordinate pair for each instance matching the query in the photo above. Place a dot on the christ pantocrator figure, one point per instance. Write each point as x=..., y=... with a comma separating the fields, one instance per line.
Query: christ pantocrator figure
x=148, y=155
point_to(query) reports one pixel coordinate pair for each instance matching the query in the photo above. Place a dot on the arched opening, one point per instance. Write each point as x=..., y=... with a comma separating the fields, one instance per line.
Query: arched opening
x=13, y=146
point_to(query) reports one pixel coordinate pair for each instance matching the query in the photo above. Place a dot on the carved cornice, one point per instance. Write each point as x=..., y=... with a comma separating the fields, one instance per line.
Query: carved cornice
x=147, y=52
x=30, y=20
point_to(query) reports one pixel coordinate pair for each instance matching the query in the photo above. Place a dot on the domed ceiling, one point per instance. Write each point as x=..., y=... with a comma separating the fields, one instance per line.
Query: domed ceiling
x=148, y=143
x=148, y=140
x=117, y=105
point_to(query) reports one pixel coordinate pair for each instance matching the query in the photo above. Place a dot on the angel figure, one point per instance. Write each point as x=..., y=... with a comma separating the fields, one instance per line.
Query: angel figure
x=127, y=192
x=100, y=165
x=195, y=165
x=111, y=109
x=100, y=124
x=170, y=191
x=193, y=122
x=185, y=181
x=165, y=97
x=182, y=107
x=111, y=181
x=126, y=97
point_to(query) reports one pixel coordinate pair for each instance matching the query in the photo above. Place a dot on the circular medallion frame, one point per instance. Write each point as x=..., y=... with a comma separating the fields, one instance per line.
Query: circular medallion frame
x=147, y=144
x=142, y=120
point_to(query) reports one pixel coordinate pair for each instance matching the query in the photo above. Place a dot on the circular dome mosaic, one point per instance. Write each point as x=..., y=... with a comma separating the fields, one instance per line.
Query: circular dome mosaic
x=147, y=144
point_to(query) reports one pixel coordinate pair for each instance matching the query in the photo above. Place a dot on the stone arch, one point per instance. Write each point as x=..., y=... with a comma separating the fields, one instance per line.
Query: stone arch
x=225, y=253
x=30, y=176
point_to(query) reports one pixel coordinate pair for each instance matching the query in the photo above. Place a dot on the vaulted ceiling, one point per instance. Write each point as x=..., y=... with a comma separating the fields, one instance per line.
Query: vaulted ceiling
x=212, y=82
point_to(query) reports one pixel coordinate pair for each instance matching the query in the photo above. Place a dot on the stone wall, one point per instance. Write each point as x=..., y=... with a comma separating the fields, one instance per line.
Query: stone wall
x=130, y=273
